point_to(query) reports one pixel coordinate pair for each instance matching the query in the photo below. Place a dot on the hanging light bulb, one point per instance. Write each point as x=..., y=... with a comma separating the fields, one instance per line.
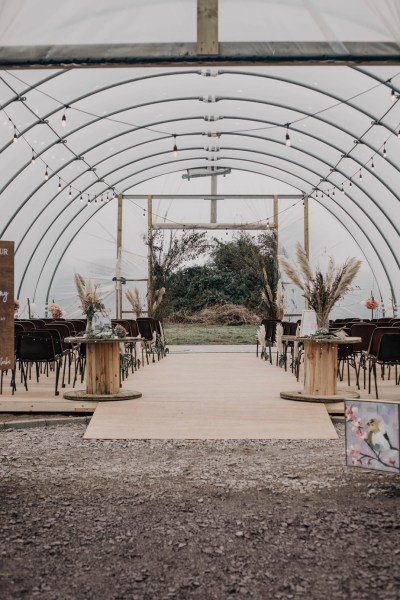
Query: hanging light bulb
x=64, y=118
x=316, y=194
x=95, y=199
x=333, y=192
x=88, y=199
x=398, y=133
x=81, y=198
x=70, y=192
x=350, y=183
x=46, y=173
x=360, y=175
x=393, y=95
x=342, y=188
x=59, y=183
x=33, y=157
x=287, y=137
x=372, y=164
x=144, y=212
x=175, y=148
x=15, y=138
x=102, y=199
x=384, y=150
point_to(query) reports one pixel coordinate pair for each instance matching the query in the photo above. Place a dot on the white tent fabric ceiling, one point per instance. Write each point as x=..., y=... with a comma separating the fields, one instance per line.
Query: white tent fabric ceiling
x=121, y=124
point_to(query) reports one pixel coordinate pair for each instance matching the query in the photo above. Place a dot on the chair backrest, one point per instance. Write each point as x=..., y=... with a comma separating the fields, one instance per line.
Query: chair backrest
x=27, y=325
x=69, y=325
x=32, y=347
x=64, y=332
x=134, y=329
x=38, y=323
x=389, y=348
x=270, y=329
x=45, y=333
x=18, y=328
x=78, y=324
x=145, y=328
x=364, y=331
x=376, y=338
x=125, y=324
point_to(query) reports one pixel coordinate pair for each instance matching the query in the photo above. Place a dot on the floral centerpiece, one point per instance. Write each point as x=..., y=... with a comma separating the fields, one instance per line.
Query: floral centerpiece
x=321, y=290
x=90, y=300
x=371, y=304
x=55, y=311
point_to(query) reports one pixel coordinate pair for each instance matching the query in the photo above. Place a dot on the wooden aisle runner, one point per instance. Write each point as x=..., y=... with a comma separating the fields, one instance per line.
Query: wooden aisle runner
x=210, y=396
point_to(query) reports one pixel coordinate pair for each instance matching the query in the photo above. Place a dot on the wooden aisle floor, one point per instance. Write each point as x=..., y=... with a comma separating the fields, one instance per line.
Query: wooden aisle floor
x=210, y=396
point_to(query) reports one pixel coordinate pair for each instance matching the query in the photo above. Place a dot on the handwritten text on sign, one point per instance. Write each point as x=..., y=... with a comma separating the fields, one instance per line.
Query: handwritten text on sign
x=6, y=305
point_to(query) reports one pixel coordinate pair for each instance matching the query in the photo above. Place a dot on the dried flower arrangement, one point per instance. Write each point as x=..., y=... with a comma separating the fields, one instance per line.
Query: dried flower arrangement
x=55, y=311
x=371, y=303
x=158, y=298
x=135, y=302
x=88, y=296
x=321, y=290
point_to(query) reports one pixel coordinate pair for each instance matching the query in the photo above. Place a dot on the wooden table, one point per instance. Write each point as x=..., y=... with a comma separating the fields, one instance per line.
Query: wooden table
x=102, y=370
x=320, y=370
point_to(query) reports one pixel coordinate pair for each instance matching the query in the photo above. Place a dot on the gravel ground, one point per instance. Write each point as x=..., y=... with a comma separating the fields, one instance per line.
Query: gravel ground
x=203, y=520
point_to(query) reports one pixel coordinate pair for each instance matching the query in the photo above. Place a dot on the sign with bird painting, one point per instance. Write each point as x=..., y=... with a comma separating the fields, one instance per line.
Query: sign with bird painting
x=372, y=435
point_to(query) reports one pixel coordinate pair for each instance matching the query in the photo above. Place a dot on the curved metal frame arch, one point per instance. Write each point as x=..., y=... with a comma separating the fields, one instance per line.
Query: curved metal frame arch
x=255, y=162
x=169, y=162
x=258, y=173
x=270, y=77
x=55, y=173
x=183, y=135
x=290, y=82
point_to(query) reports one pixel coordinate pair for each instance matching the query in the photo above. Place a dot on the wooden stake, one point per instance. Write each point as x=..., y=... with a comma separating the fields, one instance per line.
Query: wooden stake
x=207, y=27
x=118, y=294
x=306, y=236
x=149, y=256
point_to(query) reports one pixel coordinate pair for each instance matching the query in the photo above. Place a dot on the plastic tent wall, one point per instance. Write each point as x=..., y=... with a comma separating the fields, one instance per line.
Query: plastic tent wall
x=71, y=139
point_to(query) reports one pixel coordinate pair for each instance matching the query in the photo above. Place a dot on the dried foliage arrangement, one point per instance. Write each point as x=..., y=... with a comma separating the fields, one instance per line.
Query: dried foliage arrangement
x=321, y=290
x=88, y=296
x=135, y=302
x=55, y=311
x=158, y=298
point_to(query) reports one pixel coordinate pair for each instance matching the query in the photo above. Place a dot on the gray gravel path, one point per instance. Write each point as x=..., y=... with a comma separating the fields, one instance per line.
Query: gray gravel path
x=203, y=520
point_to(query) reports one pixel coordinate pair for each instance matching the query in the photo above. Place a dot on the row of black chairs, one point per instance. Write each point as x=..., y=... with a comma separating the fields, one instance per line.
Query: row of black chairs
x=379, y=346
x=40, y=343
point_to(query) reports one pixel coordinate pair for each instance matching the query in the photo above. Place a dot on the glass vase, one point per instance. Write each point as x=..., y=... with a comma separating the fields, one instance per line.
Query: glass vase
x=323, y=321
x=89, y=327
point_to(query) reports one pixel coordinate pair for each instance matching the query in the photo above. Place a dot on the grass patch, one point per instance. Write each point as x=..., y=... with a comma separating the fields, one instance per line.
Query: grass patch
x=210, y=334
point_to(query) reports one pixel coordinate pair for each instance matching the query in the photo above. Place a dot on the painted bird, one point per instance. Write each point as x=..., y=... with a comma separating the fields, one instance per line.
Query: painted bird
x=378, y=439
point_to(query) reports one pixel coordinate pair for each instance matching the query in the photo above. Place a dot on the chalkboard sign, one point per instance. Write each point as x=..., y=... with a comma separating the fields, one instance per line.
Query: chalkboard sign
x=6, y=305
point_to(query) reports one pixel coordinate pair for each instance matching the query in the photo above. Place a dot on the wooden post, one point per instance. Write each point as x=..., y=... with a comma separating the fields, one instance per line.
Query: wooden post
x=213, y=208
x=207, y=27
x=118, y=294
x=276, y=217
x=6, y=305
x=306, y=228
x=149, y=255
x=306, y=236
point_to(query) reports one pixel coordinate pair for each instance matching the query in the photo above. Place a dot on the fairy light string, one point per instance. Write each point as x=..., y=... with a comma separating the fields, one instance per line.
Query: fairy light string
x=395, y=97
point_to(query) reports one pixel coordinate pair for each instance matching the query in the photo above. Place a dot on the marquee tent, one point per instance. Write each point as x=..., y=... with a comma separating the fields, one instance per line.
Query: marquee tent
x=297, y=98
